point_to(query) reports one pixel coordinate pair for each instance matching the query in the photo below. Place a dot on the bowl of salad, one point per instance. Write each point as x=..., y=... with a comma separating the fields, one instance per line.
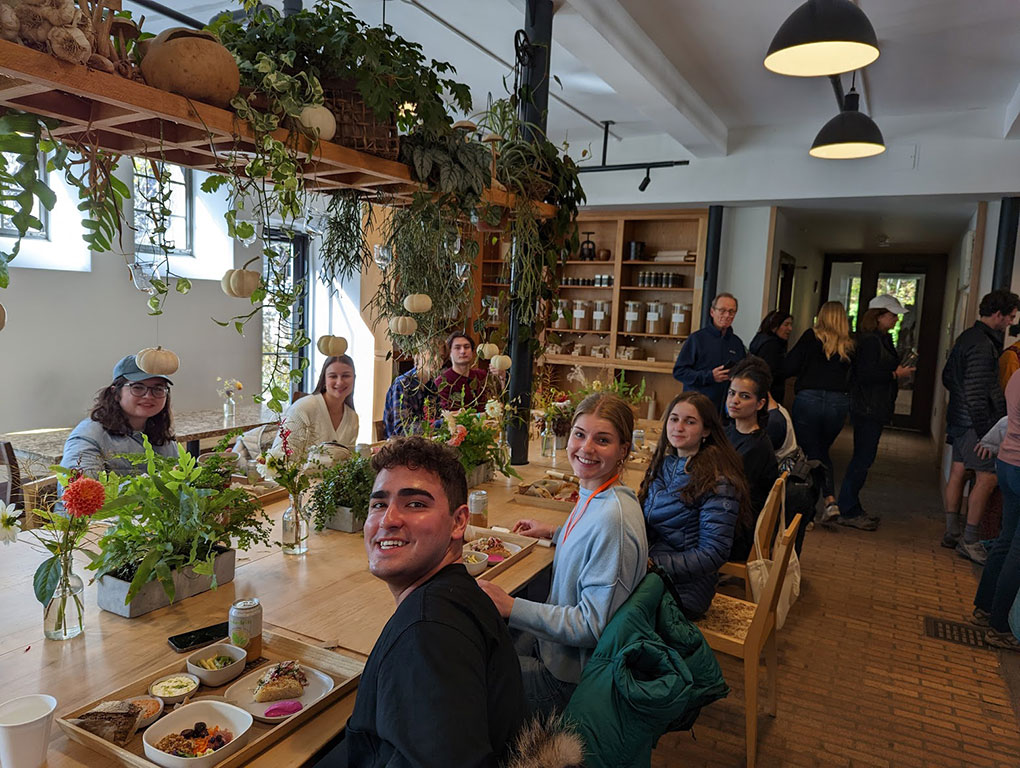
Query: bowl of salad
x=217, y=664
x=197, y=735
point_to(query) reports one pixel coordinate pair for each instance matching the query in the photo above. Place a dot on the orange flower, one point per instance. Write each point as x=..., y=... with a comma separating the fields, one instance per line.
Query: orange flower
x=83, y=497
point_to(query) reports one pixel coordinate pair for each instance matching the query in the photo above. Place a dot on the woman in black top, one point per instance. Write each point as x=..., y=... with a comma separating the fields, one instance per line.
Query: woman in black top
x=747, y=405
x=770, y=345
x=821, y=362
x=874, y=379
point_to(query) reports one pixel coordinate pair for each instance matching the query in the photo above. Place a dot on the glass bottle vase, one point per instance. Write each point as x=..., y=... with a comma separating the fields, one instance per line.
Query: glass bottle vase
x=548, y=441
x=64, y=614
x=295, y=527
x=229, y=409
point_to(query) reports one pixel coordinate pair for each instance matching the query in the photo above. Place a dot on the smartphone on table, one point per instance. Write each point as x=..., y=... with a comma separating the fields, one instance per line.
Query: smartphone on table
x=196, y=638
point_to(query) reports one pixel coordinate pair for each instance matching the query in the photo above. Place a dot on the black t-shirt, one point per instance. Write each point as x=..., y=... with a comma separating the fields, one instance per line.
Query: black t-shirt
x=807, y=361
x=760, y=471
x=442, y=686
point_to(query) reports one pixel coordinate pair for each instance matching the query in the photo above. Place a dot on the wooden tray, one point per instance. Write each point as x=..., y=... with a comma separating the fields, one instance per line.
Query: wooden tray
x=539, y=501
x=526, y=543
x=345, y=671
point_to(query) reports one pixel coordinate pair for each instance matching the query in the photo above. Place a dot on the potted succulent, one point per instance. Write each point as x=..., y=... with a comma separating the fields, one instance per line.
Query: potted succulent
x=340, y=500
x=174, y=532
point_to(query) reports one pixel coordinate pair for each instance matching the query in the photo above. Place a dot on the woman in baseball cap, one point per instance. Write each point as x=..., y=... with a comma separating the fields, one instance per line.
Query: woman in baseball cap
x=135, y=404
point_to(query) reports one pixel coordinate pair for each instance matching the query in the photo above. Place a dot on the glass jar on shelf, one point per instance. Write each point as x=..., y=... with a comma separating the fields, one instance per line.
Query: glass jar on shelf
x=600, y=314
x=680, y=320
x=633, y=317
x=559, y=315
x=655, y=319
x=582, y=315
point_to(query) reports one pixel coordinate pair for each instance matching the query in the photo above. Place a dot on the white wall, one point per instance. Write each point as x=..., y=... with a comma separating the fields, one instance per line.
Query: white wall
x=807, y=276
x=743, y=258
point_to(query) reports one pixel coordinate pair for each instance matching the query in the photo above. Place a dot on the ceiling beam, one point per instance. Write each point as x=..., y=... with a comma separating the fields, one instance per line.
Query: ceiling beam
x=1011, y=125
x=607, y=39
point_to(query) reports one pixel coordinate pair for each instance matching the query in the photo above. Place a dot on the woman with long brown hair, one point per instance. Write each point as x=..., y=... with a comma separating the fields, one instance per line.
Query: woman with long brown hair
x=821, y=362
x=693, y=497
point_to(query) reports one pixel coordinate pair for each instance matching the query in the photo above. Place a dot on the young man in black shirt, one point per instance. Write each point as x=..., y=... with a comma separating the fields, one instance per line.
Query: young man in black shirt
x=442, y=686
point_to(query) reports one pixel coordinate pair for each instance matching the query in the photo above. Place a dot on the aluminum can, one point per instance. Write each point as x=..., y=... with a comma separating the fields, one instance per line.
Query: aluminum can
x=478, y=506
x=245, y=623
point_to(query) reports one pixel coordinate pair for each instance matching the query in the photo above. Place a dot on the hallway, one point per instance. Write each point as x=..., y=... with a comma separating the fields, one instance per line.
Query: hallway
x=860, y=683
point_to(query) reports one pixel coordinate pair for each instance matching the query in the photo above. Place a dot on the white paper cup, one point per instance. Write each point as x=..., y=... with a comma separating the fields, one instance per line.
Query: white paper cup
x=25, y=730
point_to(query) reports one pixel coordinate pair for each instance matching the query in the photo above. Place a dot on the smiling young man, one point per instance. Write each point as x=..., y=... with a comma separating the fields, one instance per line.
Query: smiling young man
x=460, y=385
x=707, y=356
x=442, y=686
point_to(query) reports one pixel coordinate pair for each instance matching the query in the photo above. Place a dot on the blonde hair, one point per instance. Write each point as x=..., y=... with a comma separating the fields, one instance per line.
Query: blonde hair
x=833, y=329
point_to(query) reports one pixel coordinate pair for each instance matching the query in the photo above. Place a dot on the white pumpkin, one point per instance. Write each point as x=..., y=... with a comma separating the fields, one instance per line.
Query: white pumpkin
x=240, y=283
x=158, y=361
x=500, y=363
x=3, y=317
x=418, y=303
x=332, y=346
x=318, y=121
x=487, y=350
x=403, y=326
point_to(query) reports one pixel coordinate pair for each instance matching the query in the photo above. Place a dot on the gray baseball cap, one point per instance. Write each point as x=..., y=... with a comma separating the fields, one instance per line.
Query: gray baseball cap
x=889, y=303
x=128, y=368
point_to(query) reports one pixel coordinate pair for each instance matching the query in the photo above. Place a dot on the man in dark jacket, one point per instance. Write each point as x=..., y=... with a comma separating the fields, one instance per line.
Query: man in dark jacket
x=705, y=359
x=975, y=404
x=442, y=685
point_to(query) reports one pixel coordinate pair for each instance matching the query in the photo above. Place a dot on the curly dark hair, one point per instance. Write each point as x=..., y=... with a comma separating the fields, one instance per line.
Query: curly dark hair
x=419, y=453
x=320, y=386
x=107, y=411
x=999, y=300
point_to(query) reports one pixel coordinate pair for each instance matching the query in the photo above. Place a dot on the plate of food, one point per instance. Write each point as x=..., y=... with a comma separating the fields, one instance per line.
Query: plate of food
x=197, y=735
x=274, y=693
x=493, y=546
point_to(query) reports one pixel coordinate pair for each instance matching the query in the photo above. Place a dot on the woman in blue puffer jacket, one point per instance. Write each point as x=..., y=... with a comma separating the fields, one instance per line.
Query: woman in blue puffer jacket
x=691, y=495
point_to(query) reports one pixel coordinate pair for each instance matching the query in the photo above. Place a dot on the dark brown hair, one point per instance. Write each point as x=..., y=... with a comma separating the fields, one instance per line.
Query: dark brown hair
x=610, y=407
x=320, y=387
x=715, y=460
x=458, y=335
x=417, y=453
x=755, y=370
x=869, y=320
x=107, y=411
x=771, y=322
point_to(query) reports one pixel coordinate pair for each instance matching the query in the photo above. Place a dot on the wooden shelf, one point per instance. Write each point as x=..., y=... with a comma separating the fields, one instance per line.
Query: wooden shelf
x=495, y=285
x=130, y=118
x=646, y=263
x=656, y=366
x=654, y=335
x=571, y=330
x=595, y=263
x=586, y=287
x=647, y=288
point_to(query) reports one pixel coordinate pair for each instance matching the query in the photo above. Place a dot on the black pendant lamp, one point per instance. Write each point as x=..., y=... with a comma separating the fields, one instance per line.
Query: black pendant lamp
x=821, y=38
x=849, y=135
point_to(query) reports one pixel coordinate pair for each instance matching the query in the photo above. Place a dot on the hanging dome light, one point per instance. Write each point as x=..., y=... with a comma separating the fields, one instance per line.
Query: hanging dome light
x=821, y=38
x=849, y=135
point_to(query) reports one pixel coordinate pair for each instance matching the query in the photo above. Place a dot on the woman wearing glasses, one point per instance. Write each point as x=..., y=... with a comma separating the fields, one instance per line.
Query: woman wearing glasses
x=135, y=404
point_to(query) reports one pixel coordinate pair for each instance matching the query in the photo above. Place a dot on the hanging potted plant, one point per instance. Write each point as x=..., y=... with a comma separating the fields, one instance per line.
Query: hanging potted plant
x=340, y=501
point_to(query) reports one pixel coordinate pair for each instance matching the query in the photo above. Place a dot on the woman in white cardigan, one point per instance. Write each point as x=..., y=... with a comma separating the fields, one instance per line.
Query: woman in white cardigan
x=325, y=417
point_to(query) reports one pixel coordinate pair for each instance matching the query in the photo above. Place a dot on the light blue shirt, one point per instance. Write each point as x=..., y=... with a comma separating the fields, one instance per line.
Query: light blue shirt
x=91, y=449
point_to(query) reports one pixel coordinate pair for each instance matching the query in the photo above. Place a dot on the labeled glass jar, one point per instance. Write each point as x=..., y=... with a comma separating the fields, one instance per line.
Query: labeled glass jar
x=655, y=320
x=582, y=315
x=633, y=317
x=680, y=320
x=601, y=312
x=559, y=315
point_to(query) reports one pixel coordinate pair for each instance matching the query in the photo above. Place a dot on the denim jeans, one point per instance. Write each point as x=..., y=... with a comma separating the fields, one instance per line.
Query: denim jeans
x=867, y=432
x=543, y=692
x=818, y=416
x=1001, y=577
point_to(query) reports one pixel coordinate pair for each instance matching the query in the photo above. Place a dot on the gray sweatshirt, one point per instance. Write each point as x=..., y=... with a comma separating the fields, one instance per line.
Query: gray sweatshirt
x=602, y=561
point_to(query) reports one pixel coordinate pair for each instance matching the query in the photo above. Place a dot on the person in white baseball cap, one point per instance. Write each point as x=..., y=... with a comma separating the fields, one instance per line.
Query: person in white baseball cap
x=889, y=303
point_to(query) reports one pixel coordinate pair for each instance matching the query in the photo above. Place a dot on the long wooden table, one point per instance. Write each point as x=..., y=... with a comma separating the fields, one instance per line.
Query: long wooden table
x=326, y=597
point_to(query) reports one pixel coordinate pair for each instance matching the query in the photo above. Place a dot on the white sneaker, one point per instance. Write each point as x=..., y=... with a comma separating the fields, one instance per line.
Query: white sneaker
x=830, y=513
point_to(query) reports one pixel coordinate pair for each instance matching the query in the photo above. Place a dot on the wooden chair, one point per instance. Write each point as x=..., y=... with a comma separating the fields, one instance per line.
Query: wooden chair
x=742, y=629
x=765, y=530
x=380, y=430
x=11, y=489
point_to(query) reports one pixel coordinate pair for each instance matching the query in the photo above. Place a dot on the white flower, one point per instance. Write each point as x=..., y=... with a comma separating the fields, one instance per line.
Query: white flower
x=494, y=409
x=10, y=526
x=450, y=417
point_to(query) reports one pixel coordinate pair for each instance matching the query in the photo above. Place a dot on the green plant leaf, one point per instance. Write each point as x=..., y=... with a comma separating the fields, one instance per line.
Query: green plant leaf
x=46, y=578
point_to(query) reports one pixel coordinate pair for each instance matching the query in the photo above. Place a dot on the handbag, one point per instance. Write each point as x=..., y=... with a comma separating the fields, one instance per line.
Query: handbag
x=759, y=568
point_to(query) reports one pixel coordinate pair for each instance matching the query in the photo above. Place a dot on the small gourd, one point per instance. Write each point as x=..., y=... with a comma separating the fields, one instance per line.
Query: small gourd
x=403, y=326
x=500, y=363
x=318, y=121
x=418, y=303
x=240, y=283
x=487, y=350
x=158, y=361
x=3, y=317
x=332, y=346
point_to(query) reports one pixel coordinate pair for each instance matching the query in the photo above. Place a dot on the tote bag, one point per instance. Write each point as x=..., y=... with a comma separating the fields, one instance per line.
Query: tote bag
x=758, y=573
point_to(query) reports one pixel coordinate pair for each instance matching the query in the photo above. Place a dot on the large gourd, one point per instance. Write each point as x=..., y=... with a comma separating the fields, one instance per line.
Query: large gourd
x=240, y=283
x=403, y=326
x=158, y=361
x=487, y=350
x=500, y=363
x=418, y=303
x=192, y=63
x=318, y=122
x=332, y=346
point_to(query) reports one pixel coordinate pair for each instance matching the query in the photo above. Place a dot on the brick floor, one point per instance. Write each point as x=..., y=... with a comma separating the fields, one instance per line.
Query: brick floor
x=859, y=682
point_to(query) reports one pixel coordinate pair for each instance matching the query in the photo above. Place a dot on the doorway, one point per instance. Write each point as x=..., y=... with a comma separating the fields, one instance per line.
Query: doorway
x=918, y=281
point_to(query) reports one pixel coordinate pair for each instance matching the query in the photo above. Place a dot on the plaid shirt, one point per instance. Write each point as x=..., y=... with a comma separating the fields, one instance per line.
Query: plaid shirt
x=405, y=404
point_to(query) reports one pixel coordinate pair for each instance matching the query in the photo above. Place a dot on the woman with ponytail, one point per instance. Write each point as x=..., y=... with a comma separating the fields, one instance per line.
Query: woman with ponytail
x=693, y=496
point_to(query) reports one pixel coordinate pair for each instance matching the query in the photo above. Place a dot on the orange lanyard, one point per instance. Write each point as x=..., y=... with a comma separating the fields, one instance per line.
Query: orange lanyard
x=571, y=522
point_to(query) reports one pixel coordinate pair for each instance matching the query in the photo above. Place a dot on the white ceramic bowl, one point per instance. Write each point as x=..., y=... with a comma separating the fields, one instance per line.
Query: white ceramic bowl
x=169, y=700
x=226, y=716
x=475, y=568
x=145, y=722
x=217, y=677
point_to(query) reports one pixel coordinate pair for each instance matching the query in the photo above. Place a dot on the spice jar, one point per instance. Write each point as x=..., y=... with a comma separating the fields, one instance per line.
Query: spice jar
x=633, y=317
x=582, y=315
x=680, y=320
x=655, y=322
x=559, y=312
x=600, y=315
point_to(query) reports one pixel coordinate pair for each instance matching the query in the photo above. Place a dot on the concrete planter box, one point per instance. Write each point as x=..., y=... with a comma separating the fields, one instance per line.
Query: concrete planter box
x=483, y=473
x=343, y=520
x=113, y=591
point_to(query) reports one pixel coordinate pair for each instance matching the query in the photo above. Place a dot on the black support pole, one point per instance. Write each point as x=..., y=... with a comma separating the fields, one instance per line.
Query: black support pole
x=1005, y=243
x=534, y=107
x=711, y=285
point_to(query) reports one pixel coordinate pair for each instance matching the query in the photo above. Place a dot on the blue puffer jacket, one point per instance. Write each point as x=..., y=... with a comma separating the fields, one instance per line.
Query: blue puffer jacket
x=689, y=542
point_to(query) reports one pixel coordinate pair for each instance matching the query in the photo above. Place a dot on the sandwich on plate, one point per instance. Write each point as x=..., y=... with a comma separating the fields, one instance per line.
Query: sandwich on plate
x=281, y=681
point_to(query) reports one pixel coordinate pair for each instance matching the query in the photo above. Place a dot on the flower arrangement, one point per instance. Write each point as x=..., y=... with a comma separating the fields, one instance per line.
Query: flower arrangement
x=476, y=436
x=346, y=484
x=228, y=388
x=288, y=466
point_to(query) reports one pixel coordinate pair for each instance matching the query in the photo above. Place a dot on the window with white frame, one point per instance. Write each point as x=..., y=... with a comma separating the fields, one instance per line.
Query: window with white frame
x=179, y=222
x=7, y=228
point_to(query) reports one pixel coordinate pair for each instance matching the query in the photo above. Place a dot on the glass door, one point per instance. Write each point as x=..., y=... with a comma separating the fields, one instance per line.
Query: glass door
x=909, y=289
x=845, y=287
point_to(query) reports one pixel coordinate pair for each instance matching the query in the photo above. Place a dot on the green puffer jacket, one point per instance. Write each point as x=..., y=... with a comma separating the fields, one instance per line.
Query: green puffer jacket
x=651, y=673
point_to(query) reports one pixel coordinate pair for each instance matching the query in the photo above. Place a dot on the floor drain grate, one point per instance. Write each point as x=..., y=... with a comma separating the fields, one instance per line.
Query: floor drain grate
x=955, y=632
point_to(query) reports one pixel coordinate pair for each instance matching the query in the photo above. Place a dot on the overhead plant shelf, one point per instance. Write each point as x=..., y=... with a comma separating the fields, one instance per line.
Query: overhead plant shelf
x=130, y=118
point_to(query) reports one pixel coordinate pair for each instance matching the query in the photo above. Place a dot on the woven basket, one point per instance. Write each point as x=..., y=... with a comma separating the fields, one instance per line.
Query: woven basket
x=356, y=124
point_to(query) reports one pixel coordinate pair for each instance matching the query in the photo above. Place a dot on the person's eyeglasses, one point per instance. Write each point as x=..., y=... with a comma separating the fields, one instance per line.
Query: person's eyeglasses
x=159, y=391
x=725, y=311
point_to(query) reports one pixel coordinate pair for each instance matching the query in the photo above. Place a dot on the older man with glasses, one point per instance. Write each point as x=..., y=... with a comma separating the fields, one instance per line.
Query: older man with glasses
x=707, y=356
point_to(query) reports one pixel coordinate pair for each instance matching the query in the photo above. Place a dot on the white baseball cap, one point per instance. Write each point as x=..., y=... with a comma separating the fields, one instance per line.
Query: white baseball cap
x=887, y=302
